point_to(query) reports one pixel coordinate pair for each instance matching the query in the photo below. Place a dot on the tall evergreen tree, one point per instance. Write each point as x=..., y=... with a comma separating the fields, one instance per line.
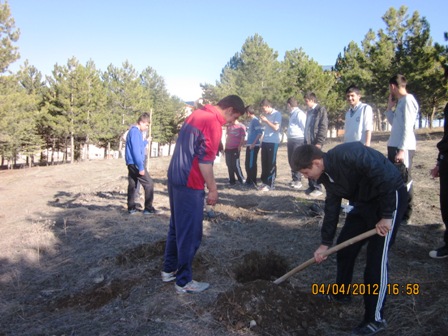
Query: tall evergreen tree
x=8, y=36
x=127, y=99
x=302, y=74
x=18, y=118
x=159, y=97
x=75, y=94
x=253, y=73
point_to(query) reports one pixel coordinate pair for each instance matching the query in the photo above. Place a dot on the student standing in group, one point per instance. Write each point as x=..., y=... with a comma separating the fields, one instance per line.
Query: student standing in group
x=135, y=160
x=235, y=135
x=190, y=169
x=254, y=133
x=358, y=119
x=402, y=110
x=315, y=134
x=358, y=124
x=441, y=171
x=376, y=188
x=272, y=120
x=296, y=137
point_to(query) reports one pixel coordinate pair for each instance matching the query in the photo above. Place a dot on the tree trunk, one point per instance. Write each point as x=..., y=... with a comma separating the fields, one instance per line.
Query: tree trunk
x=120, y=147
x=378, y=120
x=87, y=148
x=431, y=117
x=52, y=151
x=148, y=152
x=72, y=146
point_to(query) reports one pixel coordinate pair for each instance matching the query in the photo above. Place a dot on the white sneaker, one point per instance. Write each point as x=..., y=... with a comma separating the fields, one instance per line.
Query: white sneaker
x=192, y=287
x=316, y=193
x=167, y=277
x=296, y=184
x=265, y=188
x=262, y=186
x=347, y=208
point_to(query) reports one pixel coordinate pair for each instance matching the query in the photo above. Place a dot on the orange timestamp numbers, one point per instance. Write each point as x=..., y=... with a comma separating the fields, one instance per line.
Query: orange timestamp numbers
x=365, y=289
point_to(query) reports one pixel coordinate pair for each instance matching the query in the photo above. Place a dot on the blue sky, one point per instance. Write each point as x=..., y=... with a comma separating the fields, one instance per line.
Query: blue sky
x=188, y=42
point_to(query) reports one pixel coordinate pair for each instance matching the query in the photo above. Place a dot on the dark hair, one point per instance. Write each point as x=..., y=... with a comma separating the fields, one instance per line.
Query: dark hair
x=265, y=102
x=250, y=109
x=310, y=96
x=398, y=80
x=353, y=89
x=304, y=155
x=144, y=117
x=233, y=101
x=292, y=101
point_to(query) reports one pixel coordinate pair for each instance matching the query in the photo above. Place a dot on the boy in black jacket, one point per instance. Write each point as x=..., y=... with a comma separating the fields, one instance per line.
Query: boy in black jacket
x=371, y=182
x=441, y=171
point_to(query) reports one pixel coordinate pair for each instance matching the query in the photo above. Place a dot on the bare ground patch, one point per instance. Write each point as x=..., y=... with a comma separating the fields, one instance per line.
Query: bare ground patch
x=73, y=262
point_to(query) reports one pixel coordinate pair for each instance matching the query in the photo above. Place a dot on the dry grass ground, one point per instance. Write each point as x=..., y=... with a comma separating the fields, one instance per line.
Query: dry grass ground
x=73, y=262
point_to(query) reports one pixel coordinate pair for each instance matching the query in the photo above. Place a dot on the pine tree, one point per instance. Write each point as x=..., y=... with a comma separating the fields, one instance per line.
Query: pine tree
x=252, y=73
x=8, y=36
x=127, y=100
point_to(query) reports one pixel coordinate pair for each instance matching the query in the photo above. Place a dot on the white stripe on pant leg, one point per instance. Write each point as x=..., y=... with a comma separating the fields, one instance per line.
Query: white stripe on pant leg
x=384, y=281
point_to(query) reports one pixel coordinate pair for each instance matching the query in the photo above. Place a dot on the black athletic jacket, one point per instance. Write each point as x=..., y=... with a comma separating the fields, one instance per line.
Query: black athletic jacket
x=443, y=144
x=359, y=174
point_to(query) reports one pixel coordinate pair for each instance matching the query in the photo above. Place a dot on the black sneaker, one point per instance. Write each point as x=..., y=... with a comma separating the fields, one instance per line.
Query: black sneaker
x=441, y=252
x=309, y=191
x=370, y=328
x=341, y=299
x=153, y=211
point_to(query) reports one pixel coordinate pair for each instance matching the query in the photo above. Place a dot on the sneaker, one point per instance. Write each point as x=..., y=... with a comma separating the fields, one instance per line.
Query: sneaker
x=316, y=193
x=341, y=299
x=296, y=184
x=370, y=328
x=347, y=208
x=152, y=211
x=192, y=287
x=264, y=187
x=132, y=211
x=316, y=210
x=167, y=277
x=309, y=190
x=441, y=252
x=211, y=214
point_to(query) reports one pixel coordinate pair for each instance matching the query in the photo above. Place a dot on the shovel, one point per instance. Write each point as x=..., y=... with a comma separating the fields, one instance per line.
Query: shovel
x=335, y=248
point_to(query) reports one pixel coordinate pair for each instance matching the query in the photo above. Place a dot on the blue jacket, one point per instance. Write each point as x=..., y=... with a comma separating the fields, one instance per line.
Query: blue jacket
x=135, y=148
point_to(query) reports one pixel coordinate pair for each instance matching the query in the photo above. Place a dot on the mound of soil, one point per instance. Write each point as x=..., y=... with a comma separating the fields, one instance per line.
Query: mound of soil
x=269, y=309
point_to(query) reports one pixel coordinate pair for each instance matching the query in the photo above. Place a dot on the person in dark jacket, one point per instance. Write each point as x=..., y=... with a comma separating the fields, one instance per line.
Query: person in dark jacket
x=315, y=134
x=376, y=188
x=441, y=171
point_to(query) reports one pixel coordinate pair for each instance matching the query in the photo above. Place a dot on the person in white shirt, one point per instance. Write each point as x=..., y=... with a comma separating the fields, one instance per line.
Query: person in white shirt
x=402, y=110
x=272, y=120
x=296, y=137
x=358, y=119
